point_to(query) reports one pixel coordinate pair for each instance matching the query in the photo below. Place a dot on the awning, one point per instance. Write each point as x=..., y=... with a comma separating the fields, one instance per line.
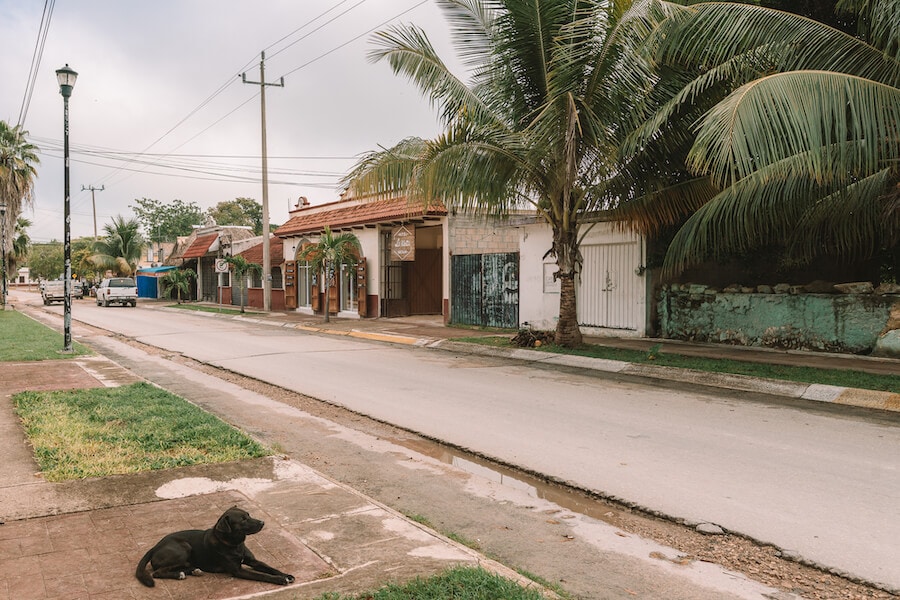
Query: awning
x=200, y=246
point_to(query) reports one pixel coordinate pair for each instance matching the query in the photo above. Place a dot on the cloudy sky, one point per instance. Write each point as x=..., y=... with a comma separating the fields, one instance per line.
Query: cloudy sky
x=159, y=110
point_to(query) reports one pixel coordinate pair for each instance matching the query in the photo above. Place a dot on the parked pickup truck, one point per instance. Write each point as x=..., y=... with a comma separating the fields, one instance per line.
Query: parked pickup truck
x=54, y=291
x=117, y=290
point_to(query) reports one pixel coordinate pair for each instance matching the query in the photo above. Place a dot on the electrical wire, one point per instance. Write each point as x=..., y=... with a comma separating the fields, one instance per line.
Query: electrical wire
x=36, y=58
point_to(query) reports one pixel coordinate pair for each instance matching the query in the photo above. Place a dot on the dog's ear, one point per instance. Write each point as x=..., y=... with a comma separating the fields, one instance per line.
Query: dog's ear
x=224, y=522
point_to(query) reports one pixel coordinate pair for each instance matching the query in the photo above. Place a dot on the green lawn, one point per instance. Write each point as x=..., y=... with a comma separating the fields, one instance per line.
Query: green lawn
x=23, y=338
x=842, y=378
x=461, y=583
x=111, y=431
x=211, y=309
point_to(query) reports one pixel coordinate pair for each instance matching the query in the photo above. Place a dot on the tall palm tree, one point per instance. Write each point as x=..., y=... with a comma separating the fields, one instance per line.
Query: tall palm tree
x=240, y=267
x=18, y=161
x=121, y=248
x=805, y=150
x=552, y=92
x=328, y=254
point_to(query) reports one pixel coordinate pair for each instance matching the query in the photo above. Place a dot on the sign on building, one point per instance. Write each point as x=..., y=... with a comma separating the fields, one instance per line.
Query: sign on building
x=403, y=243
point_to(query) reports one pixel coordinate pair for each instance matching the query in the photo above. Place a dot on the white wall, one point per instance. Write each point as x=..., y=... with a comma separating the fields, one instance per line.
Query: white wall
x=539, y=293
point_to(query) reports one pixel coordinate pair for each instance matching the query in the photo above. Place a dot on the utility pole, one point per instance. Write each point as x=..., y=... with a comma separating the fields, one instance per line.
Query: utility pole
x=94, y=203
x=267, y=261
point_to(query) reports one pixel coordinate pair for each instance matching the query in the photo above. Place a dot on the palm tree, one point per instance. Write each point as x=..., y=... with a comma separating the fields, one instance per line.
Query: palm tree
x=18, y=160
x=240, y=266
x=20, y=243
x=328, y=255
x=805, y=150
x=121, y=248
x=177, y=282
x=553, y=86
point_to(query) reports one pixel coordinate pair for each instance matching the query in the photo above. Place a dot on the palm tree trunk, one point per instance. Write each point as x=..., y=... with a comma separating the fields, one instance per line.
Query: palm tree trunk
x=565, y=245
x=327, y=301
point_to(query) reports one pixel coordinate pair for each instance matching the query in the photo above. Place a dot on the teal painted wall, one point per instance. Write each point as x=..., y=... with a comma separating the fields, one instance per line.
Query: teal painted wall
x=832, y=323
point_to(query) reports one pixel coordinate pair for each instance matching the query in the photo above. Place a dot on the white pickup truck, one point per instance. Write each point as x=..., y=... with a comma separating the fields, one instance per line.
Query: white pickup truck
x=54, y=290
x=117, y=290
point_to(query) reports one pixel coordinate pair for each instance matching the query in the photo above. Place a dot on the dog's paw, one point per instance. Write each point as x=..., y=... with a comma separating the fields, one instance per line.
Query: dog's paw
x=181, y=575
x=288, y=579
x=196, y=572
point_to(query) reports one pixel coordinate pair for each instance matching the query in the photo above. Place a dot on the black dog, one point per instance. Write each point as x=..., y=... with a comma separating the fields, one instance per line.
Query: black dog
x=217, y=550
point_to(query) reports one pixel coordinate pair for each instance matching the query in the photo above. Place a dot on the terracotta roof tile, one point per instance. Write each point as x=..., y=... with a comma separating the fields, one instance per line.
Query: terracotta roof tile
x=200, y=245
x=254, y=254
x=376, y=211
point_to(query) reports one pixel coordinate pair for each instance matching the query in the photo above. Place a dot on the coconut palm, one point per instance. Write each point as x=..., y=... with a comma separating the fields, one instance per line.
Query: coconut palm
x=553, y=92
x=805, y=151
x=240, y=267
x=18, y=161
x=328, y=254
x=177, y=282
x=121, y=248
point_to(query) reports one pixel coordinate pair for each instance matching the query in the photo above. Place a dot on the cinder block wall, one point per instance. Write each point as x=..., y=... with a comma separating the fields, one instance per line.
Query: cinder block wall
x=849, y=323
x=476, y=235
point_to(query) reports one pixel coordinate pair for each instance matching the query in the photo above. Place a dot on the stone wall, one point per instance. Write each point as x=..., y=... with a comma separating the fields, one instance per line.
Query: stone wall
x=854, y=319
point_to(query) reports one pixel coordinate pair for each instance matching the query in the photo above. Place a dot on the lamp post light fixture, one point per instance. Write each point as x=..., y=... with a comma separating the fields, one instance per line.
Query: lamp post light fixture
x=3, y=252
x=66, y=78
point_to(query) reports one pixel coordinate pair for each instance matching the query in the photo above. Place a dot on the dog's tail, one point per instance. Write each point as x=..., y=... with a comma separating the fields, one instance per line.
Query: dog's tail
x=141, y=571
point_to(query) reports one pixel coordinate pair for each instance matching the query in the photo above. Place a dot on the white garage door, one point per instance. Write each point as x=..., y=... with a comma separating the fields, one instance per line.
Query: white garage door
x=610, y=293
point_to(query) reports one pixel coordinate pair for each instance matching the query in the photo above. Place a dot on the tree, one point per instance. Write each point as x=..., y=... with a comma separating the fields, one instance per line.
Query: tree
x=327, y=256
x=164, y=222
x=177, y=282
x=121, y=249
x=45, y=261
x=804, y=149
x=20, y=245
x=553, y=88
x=240, y=267
x=240, y=211
x=18, y=161
x=83, y=258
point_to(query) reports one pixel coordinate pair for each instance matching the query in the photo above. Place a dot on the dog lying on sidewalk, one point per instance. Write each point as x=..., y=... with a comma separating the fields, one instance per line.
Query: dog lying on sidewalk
x=217, y=550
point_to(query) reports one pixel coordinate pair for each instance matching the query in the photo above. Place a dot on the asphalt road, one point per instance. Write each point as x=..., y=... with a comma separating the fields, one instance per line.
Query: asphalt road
x=823, y=483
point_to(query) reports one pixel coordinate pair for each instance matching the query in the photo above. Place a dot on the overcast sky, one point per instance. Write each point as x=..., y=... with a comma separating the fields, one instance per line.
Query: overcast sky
x=163, y=78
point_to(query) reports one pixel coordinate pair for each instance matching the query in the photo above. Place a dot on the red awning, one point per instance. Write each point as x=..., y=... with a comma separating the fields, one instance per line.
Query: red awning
x=200, y=246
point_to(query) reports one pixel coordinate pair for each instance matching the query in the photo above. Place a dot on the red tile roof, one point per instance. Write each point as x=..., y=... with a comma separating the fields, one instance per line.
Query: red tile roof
x=200, y=245
x=392, y=209
x=254, y=254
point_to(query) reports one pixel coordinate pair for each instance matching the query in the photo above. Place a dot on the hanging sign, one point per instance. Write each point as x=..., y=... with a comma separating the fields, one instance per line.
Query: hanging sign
x=403, y=243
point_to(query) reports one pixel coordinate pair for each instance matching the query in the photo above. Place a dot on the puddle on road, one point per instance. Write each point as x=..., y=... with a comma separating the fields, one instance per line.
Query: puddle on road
x=534, y=487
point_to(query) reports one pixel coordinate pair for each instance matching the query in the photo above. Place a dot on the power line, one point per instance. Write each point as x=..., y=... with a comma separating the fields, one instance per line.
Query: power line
x=36, y=58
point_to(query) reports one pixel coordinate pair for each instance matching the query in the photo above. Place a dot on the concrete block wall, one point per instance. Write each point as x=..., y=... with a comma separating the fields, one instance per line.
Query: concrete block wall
x=475, y=235
x=851, y=323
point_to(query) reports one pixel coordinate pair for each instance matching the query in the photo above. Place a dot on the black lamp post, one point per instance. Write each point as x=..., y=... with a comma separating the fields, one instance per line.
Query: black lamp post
x=66, y=78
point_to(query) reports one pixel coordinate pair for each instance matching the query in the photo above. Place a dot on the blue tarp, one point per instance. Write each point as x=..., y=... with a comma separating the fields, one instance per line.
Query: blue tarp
x=147, y=283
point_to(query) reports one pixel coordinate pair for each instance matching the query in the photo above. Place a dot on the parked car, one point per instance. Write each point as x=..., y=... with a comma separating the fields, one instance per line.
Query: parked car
x=54, y=291
x=117, y=290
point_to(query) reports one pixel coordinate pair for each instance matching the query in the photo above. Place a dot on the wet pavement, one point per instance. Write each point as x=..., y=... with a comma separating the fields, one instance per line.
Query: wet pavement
x=80, y=540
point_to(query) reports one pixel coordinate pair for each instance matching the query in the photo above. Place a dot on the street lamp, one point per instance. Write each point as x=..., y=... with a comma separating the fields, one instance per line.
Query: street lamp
x=3, y=250
x=66, y=78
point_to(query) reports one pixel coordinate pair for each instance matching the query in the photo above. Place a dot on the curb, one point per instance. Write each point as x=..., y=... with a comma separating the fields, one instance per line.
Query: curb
x=872, y=399
x=887, y=401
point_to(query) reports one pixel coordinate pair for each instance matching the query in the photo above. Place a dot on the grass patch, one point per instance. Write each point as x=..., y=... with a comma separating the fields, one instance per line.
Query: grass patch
x=841, y=378
x=111, y=431
x=210, y=309
x=461, y=583
x=26, y=339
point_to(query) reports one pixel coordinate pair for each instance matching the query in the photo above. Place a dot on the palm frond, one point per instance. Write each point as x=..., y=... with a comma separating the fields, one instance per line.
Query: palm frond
x=786, y=114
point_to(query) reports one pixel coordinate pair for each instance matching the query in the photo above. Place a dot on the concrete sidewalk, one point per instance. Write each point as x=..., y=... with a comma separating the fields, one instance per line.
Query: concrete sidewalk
x=81, y=540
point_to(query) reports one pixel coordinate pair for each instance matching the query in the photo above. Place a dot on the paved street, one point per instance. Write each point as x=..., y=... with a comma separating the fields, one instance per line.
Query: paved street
x=820, y=482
